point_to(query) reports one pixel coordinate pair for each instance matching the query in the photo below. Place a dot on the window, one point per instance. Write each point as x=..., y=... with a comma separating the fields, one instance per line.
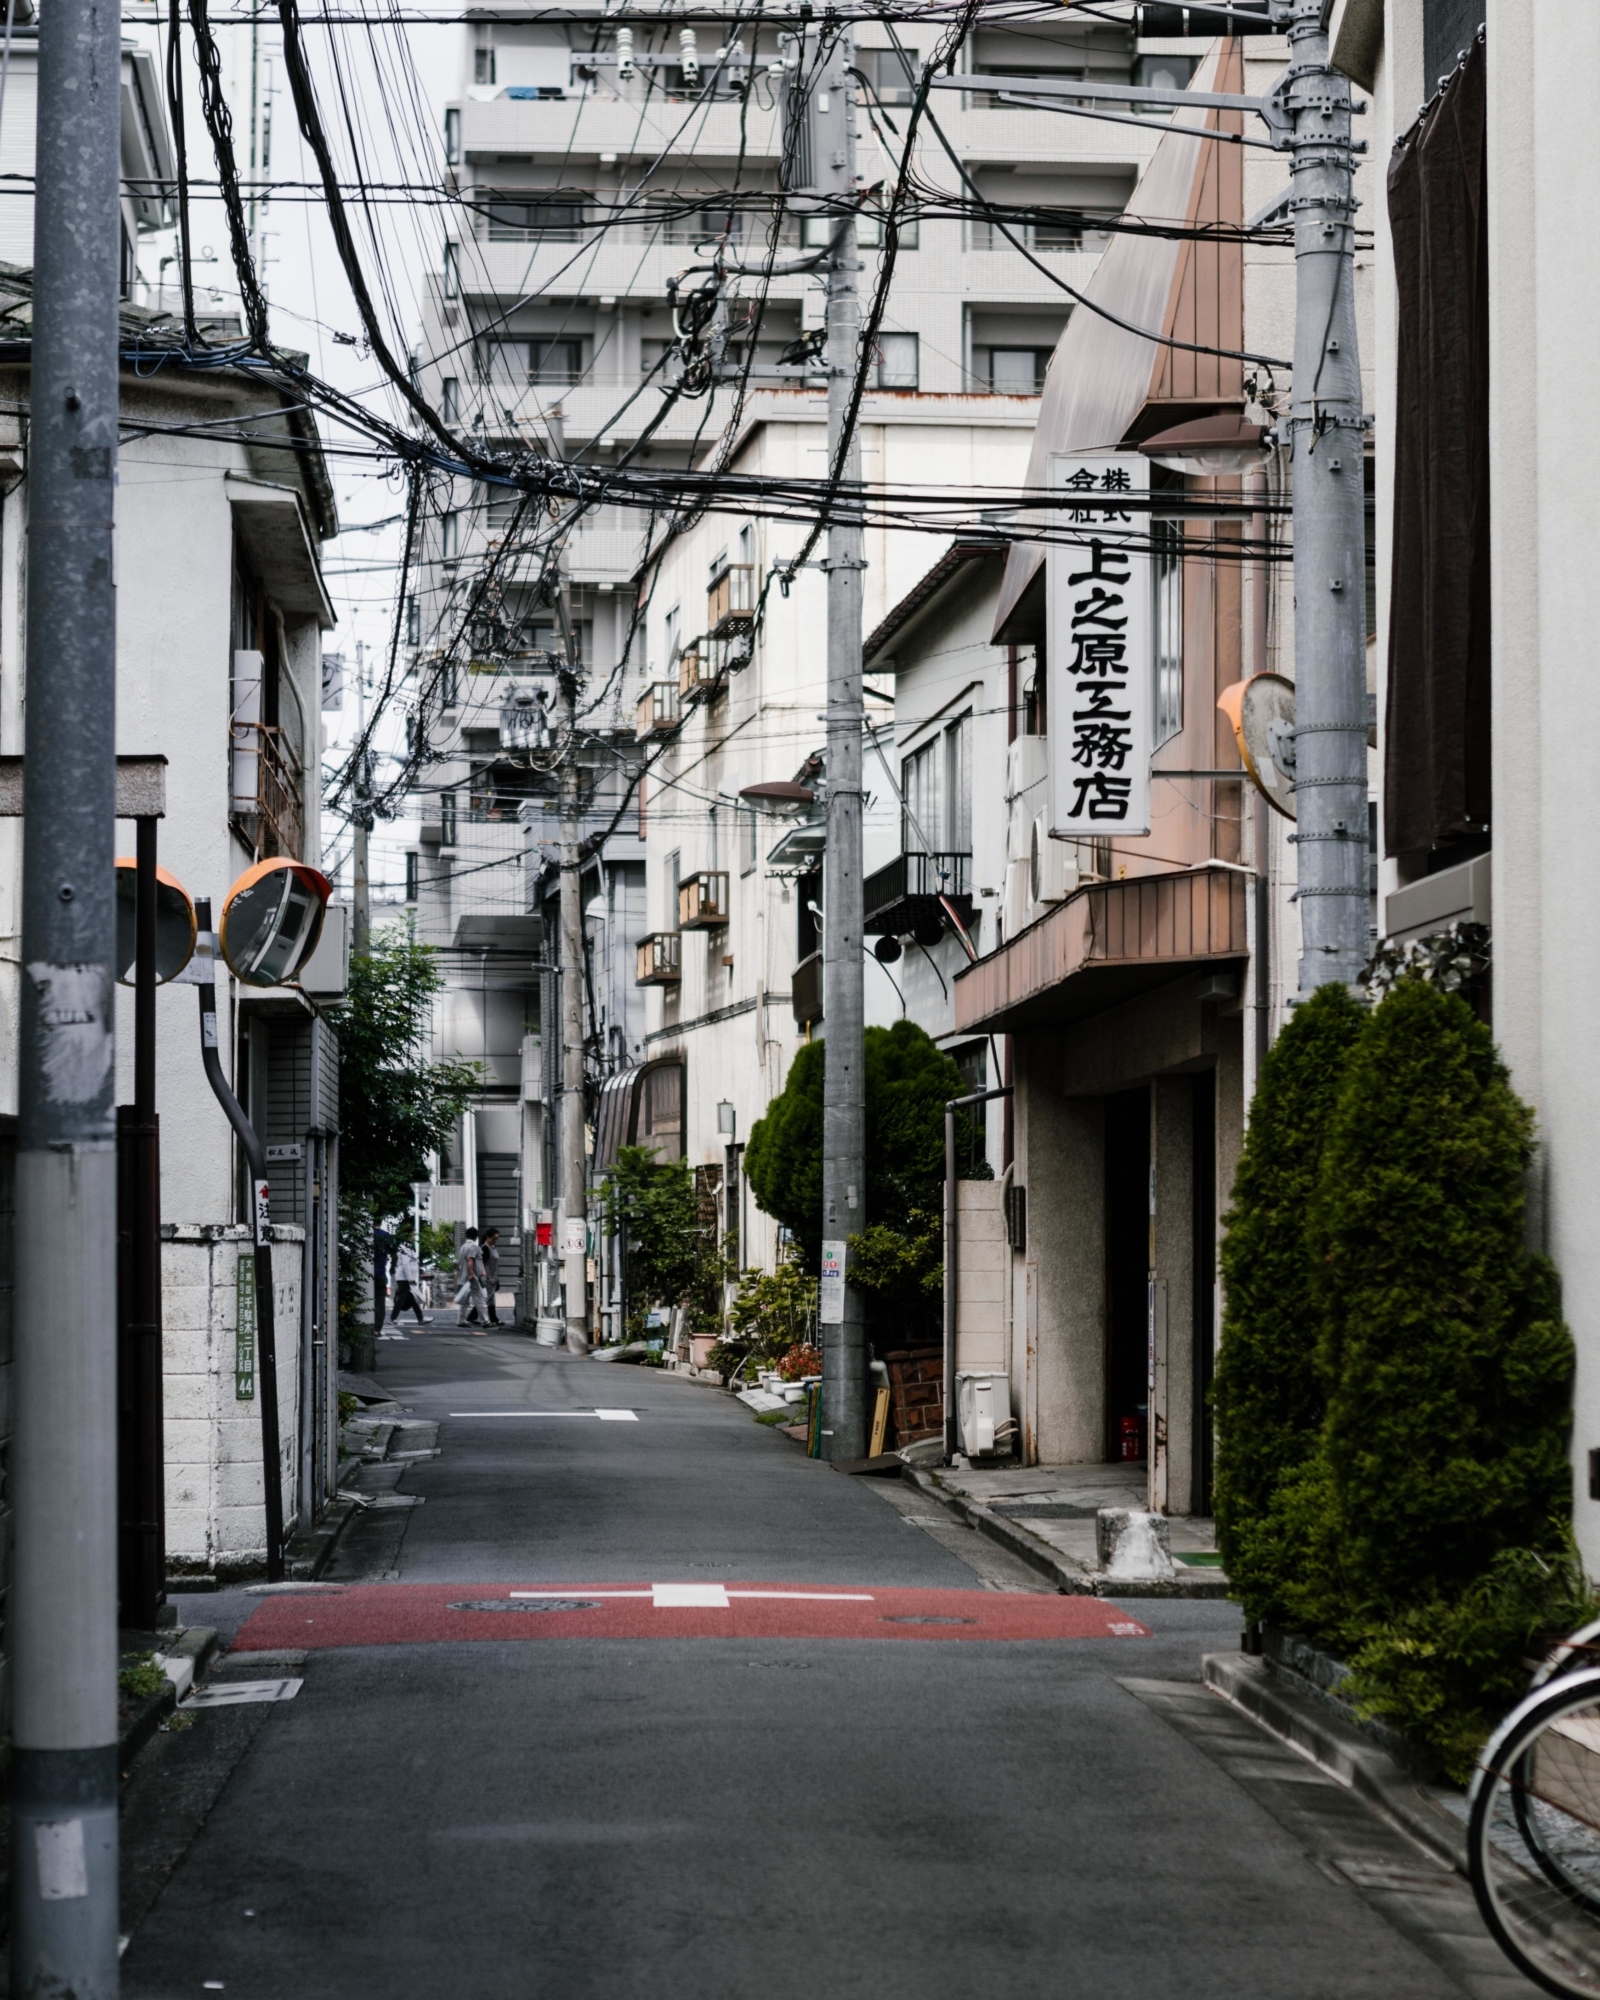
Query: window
x=921, y=780
x=1017, y=371
x=816, y=231
x=670, y=883
x=512, y=218
x=450, y=400
x=716, y=858
x=555, y=360
x=452, y=270
x=413, y=621
x=958, y=786
x=450, y=684
x=1166, y=542
x=747, y=545
x=447, y=819
x=412, y=879
x=892, y=73
x=701, y=223
x=452, y=137
x=1058, y=235
x=449, y=537
x=898, y=361
x=483, y=67
x=751, y=856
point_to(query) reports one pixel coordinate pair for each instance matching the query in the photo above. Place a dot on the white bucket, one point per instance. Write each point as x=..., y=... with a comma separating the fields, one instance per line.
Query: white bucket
x=550, y=1332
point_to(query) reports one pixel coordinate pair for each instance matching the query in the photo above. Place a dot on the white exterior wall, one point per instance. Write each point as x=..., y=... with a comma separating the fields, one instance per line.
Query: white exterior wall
x=216, y=1524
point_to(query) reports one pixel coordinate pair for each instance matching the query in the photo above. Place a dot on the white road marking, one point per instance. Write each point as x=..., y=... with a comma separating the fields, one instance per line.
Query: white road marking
x=708, y=1596
x=690, y=1596
x=229, y=1694
x=605, y=1416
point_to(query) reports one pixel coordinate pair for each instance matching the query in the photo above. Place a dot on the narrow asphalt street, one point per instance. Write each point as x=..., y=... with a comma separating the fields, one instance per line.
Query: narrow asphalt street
x=901, y=1765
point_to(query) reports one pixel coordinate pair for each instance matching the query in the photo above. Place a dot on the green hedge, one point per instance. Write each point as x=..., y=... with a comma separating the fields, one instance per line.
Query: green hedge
x=1406, y=1500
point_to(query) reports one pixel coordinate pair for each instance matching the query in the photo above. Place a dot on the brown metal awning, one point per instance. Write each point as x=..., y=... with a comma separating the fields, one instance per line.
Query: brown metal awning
x=1103, y=379
x=1105, y=944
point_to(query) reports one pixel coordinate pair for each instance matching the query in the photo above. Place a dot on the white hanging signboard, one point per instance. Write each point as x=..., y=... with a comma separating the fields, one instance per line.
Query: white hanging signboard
x=830, y=1293
x=1099, y=664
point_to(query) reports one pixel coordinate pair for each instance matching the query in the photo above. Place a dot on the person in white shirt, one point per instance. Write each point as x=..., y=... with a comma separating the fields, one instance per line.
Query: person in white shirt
x=469, y=1273
x=407, y=1274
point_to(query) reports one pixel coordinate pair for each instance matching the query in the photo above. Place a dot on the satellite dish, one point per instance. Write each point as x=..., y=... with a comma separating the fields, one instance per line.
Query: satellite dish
x=1261, y=711
x=271, y=920
x=176, y=929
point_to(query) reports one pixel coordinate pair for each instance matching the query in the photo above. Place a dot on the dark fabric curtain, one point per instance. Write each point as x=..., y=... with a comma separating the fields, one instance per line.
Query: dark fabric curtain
x=1436, y=761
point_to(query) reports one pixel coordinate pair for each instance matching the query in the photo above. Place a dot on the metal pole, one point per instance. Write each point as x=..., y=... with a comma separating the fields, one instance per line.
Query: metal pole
x=141, y=1453
x=266, y=1318
x=952, y=1258
x=845, y=1401
x=1329, y=429
x=62, y=1620
x=574, y=1161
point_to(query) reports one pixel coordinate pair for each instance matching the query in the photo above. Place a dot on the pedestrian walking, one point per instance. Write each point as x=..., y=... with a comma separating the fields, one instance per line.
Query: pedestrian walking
x=491, y=1271
x=469, y=1280
x=383, y=1245
x=407, y=1273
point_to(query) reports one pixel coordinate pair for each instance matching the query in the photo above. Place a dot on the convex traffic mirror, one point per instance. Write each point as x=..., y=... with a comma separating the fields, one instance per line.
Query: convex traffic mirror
x=271, y=920
x=175, y=923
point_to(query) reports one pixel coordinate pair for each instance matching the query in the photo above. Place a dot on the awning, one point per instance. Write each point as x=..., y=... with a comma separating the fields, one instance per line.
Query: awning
x=272, y=527
x=1105, y=944
x=1102, y=376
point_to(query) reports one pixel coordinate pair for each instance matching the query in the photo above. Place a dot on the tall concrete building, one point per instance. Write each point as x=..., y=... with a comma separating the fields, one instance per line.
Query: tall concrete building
x=599, y=167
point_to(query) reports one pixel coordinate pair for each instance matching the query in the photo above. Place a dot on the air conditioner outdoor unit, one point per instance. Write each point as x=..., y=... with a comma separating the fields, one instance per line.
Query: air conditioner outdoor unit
x=1025, y=797
x=983, y=1409
x=1053, y=864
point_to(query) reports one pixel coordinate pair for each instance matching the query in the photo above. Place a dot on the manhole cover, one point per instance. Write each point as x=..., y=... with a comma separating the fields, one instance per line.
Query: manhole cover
x=524, y=1610
x=916, y=1618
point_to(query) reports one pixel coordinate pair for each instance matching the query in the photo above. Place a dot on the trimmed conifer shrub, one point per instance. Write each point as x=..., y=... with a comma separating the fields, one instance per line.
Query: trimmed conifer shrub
x=1440, y=1502
x=1268, y=1397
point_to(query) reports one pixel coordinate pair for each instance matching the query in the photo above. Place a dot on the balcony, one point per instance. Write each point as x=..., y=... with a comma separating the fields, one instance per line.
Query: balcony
x=267, y=787
x=805, y=990
x=703, y=901
x=657, y=961
x=731, y=600
x=659, y=711
x=897, y=897
x=697, y=673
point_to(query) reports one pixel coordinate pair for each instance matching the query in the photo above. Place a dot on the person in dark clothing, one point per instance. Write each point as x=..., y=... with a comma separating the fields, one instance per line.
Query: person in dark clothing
x=491, y=1270
x=382, y=1256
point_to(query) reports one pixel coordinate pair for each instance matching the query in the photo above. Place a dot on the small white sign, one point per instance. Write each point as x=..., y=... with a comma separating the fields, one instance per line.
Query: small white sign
x=234, y=1694
x=830, y=1297
x=1101, y=666
x=63, y=1864
x=575, y=1236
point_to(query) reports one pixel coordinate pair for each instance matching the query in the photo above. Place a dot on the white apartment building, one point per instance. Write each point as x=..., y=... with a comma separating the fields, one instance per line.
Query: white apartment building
x=590, y=172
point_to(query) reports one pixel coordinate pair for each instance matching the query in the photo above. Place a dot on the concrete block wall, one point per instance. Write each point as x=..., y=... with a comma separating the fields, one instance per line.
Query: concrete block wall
x=215, y=1518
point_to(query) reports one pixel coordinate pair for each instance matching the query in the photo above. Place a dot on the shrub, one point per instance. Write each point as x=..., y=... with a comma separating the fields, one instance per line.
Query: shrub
x=773, y=1311
x=908, y=1081
x=1448, y=1371
x=1268, y=1397
x=900, y=1275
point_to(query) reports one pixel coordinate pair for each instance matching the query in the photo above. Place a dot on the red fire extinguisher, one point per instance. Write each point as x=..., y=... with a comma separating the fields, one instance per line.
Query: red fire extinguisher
x=1131, y=1439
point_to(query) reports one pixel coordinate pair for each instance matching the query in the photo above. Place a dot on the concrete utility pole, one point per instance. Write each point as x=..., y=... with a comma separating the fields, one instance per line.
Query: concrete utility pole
x=832, y=146
x=1329, y=434
x=63, y=1472
x=574, y=1159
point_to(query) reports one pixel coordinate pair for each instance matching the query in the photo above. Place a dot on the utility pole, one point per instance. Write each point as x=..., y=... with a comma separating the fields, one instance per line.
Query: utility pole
x=361, y=822
x=574, y=1161
x=832, y=164
x=1328, y=427
x=63, y=1470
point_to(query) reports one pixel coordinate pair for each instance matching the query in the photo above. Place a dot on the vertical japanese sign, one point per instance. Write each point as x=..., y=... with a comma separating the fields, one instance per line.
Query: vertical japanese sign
x=244, y=1337
x=1099, y=663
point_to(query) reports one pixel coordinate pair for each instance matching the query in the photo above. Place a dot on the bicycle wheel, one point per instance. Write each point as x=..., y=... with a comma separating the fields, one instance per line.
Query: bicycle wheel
x=1534, y=1836
x=1581, y=1649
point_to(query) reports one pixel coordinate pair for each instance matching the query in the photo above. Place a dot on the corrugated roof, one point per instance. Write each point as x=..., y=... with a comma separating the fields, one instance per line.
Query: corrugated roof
x=1101, y=376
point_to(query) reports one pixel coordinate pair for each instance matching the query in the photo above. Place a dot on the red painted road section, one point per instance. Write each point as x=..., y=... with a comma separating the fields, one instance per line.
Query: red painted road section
x=402, y=1614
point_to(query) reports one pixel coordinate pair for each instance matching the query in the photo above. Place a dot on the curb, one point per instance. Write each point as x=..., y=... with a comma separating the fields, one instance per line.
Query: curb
x=1068, y=1576
x=198, y=1643
x=1249, y=1684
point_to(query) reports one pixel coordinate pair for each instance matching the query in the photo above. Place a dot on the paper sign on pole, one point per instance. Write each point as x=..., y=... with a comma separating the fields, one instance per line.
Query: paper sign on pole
x=830, y=1294
x=1100, y=666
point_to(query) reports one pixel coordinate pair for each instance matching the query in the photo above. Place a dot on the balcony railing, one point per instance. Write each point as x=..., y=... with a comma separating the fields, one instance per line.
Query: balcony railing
x=659, y=711
x=656, y=960
x=267, y=787
x=893, y=897
x=731, y=600
x=703, y=900
x=805, y=990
